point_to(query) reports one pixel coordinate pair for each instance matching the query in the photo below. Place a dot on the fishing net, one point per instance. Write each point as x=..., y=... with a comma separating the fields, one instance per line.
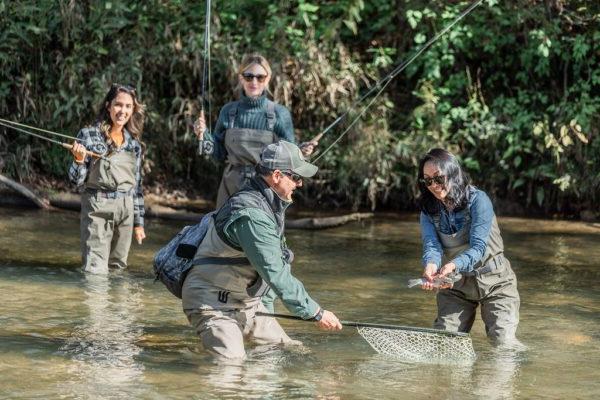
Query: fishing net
x=421, y=346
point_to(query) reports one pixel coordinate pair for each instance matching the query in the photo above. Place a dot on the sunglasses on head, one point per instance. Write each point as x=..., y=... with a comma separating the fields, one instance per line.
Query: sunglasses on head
x=249, y=77
x=439, y=179
x=295, y=177
x=126, y=87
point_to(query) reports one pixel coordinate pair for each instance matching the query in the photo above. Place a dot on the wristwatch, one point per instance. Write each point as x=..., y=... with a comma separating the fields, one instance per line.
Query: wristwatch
x=319, y=315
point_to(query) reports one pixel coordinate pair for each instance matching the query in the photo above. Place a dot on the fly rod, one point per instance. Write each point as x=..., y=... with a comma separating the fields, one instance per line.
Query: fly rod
x=371, y=325
x=380, y=85
x=11, y=125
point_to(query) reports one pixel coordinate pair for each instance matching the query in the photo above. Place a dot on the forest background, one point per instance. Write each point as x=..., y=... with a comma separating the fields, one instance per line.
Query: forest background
x=513, y=89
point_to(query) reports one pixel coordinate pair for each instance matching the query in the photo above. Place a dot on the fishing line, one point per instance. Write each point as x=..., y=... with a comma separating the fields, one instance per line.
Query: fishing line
x=62, y=144
x=35, y=129
x=384, y=82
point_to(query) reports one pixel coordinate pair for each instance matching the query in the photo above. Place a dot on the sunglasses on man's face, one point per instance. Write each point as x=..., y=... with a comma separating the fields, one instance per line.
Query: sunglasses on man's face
x=249, y=77
x=295, y=177
x=439, y=179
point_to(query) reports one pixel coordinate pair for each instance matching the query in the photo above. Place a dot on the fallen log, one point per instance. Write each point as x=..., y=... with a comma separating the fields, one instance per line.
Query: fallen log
x=72, y=201
x=325, y=222
x=25, y=192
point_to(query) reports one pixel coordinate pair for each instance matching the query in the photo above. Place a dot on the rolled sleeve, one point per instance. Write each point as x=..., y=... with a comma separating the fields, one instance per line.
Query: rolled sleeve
x=482, y=215
x=78, y=172
x=257, y=235
x=432, y=248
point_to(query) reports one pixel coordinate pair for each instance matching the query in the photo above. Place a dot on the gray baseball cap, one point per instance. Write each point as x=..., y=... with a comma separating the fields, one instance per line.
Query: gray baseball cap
x=286, y=156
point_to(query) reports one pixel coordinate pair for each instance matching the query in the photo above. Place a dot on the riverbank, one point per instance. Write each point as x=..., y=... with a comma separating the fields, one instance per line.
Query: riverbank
x=188, y=204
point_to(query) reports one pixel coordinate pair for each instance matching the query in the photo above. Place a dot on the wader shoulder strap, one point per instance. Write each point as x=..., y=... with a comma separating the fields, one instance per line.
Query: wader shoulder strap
x=232, y=114
x=222, y=235
x=271, y=116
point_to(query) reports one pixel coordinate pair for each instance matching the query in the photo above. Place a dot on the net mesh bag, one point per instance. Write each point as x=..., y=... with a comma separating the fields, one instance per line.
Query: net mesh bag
x=419, y=346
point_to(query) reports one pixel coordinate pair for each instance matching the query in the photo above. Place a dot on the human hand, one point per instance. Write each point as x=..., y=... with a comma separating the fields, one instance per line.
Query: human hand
x=139, y=234
x=308, y=148
x=429, y=273
x=329, y=322
x=200, y=126
x=79, y=152
x=445, y=271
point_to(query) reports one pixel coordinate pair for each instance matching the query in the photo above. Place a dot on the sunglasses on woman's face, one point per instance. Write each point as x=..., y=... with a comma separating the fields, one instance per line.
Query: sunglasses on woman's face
x=439, y=179
x=295, y=177
x=249, y=77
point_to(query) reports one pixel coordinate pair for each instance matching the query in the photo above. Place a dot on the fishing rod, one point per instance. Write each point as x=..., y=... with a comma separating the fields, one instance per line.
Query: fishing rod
x=370, y=325
x=206, y=69
x=13, y=125
x=384, y=82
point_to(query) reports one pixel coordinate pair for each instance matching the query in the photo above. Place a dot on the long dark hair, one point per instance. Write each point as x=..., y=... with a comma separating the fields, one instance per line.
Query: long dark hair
x=135, y=125
x=457, y=182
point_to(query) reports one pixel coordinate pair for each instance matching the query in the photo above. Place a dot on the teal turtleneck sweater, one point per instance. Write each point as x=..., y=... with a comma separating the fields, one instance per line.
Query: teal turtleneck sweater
x=251, y=114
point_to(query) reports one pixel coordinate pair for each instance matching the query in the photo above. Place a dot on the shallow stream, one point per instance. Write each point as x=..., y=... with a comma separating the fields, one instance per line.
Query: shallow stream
x=70, y=336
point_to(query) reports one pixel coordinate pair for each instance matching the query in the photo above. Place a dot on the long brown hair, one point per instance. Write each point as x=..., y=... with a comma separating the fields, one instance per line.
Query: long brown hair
x=135, y=125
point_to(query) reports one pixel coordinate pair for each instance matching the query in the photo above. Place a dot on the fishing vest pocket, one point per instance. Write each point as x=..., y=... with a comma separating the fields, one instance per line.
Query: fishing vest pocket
x=117, y=173
x=257, y=289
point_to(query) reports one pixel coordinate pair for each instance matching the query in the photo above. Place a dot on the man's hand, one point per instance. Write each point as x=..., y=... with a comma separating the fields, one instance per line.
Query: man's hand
x=329, y=322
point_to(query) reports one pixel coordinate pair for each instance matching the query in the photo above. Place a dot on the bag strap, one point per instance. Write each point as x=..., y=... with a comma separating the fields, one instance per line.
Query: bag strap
x=232, y=114
x=271, y=116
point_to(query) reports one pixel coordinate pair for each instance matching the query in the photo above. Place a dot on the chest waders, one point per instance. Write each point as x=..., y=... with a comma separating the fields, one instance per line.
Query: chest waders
x=222, y=292
x=107, y=212
x=243, y=147
x=492, y=284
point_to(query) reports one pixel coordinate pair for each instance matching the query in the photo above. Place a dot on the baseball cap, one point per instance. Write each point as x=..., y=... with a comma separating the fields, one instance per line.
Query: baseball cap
x=286, y=156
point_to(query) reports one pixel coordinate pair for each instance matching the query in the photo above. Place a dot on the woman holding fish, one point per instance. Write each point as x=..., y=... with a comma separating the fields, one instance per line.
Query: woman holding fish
x=461, y=236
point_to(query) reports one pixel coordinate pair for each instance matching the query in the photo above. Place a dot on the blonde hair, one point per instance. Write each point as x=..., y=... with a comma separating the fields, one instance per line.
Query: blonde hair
x=255, y=58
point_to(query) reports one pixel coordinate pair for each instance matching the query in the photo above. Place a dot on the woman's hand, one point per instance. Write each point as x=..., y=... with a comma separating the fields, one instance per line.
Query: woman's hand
x=139, y=234
x=429, y=273
x=200, y=126
x=78, y=150
x=308, y=148
x=444, y=271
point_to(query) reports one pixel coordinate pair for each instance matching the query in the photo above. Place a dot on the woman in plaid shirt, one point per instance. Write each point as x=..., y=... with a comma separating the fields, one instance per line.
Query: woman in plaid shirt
x=112, y=200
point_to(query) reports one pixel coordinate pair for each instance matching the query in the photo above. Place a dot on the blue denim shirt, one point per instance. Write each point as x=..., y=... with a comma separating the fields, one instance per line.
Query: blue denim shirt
x=482, y=214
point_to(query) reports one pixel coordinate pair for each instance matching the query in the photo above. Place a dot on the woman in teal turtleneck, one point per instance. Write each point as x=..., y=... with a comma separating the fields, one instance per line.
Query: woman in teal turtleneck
x=246, y=126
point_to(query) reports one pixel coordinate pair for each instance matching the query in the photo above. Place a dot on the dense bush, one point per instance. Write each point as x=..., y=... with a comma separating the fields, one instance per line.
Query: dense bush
x=513, y=88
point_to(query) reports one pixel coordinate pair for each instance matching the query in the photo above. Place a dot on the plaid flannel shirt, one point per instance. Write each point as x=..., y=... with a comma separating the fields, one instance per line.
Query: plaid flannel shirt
x=78, y=172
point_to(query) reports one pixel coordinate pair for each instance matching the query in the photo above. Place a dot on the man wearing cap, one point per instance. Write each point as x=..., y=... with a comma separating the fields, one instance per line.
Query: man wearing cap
x=243, y=256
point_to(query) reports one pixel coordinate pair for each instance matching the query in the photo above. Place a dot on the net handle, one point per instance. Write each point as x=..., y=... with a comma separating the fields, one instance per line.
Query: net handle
x=370, y=325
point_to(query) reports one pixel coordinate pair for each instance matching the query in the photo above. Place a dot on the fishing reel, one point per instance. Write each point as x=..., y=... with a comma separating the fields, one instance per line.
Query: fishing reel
x=99, y=148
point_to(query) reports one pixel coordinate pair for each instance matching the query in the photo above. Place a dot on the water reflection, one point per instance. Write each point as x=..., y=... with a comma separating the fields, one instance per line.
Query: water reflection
x=103, y=346
x=496, y=375
x=66, y=335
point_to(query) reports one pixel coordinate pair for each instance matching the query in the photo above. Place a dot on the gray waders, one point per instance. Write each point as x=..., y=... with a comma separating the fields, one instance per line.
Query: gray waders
x=492, y=284
x=221, y=295
x=107, y=212
x=243, y=152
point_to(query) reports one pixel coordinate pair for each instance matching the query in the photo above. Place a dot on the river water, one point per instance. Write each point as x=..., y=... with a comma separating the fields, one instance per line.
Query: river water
x=70, y=336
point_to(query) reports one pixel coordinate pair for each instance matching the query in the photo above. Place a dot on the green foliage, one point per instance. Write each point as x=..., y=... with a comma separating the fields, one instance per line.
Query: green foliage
x=512, y=88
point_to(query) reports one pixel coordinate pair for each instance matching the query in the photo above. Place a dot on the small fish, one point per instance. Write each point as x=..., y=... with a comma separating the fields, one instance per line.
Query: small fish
x=437, y=282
